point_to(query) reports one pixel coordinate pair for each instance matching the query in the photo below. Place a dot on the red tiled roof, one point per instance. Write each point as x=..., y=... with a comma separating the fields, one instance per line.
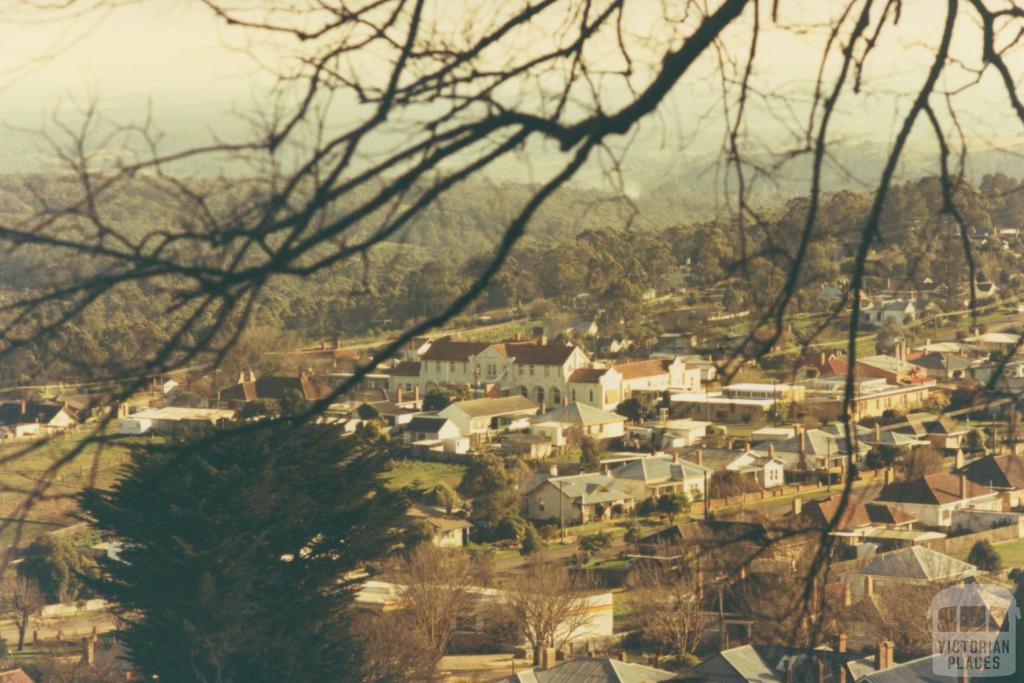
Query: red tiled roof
x=1005, y=471
x=643, y=368
x=533, y=353
x=933, y=489
x=15, y=676
x=857, y=513
x=451, y=350
x=587, y=375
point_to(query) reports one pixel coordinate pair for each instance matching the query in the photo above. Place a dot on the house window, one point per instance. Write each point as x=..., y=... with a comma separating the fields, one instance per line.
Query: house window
x=573, y=395
x=451, y=366
x=531, y=371
x=437, y=366
x=591, y=395
x=546, y=368
x=492, y=370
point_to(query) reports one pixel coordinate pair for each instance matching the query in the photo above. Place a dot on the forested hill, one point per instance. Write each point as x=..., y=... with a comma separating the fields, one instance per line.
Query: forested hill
x=581, y=241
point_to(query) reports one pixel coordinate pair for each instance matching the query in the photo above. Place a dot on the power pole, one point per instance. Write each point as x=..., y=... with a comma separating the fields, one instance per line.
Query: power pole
x=561, y=513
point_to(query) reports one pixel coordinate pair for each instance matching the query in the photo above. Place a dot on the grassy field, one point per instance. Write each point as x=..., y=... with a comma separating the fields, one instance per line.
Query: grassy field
x=1011, y=553
x=27, y=466
x=427, y=474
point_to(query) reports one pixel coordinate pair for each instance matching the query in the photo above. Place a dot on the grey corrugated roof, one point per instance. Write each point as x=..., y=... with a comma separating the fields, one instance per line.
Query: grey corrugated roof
x=590, y=488
x=581, y=413
x=914, y=671
x=658, y=468
x=486, y=407
x=918, y=562
x=738, y=665
x=592, y=670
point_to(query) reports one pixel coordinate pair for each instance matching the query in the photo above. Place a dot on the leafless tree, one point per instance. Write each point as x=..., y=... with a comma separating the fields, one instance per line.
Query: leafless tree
x=436, y=590
x=549, y=605
x=392, y=653
x=669, y=605
x=22, y=601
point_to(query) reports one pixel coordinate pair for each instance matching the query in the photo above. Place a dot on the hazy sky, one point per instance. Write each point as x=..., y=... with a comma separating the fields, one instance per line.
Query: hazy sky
x=176, y=54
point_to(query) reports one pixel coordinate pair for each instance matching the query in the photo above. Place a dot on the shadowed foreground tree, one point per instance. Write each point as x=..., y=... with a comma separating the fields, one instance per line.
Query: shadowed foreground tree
x=236, y=549
x=669, y=604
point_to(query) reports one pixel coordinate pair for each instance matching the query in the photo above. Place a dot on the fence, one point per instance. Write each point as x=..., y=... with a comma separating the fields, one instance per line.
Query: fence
x=786, y=490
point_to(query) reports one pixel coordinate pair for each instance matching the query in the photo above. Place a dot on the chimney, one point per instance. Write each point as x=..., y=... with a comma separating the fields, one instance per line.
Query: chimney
x=24, y=406
x=883, y=659
x=771, y=451
x=841, y=643
x=416, y=392
x=623, y=657
x=698, y=456
x=398, y=395
x=959, y=459
x=822, y=676
x=675, y=457
x=888, y=475
x=878, y=432
x=548, y=658
x=553, y=470
x=963, y=487
x=89, y=658
x=802, y=448
x=543, y=340
x=869, y=586
x=663, y=415
x=847, y=596
x=798, y=506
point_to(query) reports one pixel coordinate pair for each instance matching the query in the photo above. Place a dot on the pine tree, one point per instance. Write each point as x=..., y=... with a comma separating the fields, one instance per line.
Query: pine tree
x=236, y=548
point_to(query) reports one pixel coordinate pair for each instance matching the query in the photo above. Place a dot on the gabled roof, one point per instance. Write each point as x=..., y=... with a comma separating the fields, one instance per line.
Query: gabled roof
x=589, y=488
x=581, y=414
x=643, y=368
x=488, y=407
x=738, y=665
x=587, y=375
x=592, y=670
x=23, y=412
x=276, y=388
x=887, y=364
x=437, y=519
x=702, y=531
x=945, y=362
x=915, y=671
x=1001, y=472
x=945, y=425
x=447, y=349
x=406, y=368
x=657, y=468
x=816, y=442
x=895, y=439
x=918, y=562
x=427, y=423
x=534, y=353
x=932, y=489
x=857, y=513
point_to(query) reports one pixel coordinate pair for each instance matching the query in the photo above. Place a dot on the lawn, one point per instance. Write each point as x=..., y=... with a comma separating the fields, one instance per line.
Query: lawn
x=425, y=475
x=1011, y=553
x=26, y=466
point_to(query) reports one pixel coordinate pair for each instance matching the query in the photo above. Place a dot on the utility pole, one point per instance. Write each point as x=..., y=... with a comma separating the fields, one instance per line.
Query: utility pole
x=561, y=512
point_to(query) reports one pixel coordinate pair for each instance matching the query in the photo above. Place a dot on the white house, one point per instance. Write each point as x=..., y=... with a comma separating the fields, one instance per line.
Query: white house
x=449, y=531
x=577, y=499
x=933, y=498
x=606, y=387
x=584, y=419
x=767, y=471
x=537, y=369
x=436, y=432
x=657, y=475
x=173, y=419
x=482, y=416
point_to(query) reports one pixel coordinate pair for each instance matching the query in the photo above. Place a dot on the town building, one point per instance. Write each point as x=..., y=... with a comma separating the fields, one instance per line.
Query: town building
x=657, y=475
x=577, y=499
x=480, y=418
